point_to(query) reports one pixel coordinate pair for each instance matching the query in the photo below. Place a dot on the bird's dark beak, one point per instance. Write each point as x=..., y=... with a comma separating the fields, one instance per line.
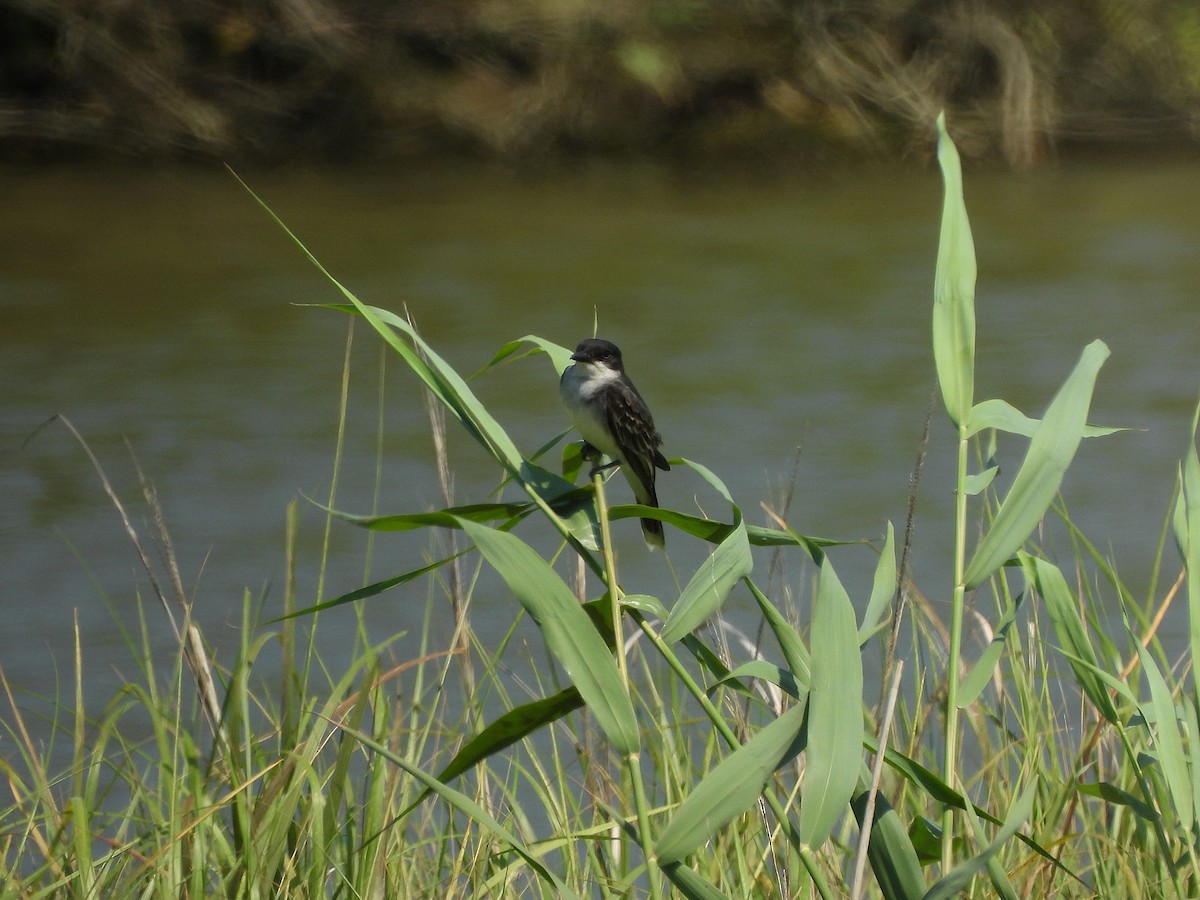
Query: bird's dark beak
x=578, y=357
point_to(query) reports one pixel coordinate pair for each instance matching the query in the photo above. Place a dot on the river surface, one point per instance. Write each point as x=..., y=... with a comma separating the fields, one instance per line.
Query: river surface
x=779, y=328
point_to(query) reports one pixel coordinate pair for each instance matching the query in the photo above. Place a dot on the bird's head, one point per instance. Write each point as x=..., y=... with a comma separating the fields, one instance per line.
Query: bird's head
x=596, y=352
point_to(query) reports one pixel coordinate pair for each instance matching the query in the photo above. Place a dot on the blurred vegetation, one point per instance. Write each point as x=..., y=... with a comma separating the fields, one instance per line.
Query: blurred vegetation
x=363, y=80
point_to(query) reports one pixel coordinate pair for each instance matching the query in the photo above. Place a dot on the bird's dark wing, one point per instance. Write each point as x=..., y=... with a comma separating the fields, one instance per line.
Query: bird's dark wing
x=632, y=426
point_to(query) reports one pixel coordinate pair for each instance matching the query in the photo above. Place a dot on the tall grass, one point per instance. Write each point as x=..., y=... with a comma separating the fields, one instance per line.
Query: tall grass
x=649, y=753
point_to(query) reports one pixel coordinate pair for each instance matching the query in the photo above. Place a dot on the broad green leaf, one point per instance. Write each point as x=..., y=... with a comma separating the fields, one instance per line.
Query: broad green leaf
x=731, y=786
x=1168, y=741
x=1003, y=416
x=467, y=807
x=714, y=579
x=890, y=851
x=883, y=589
x=960, y=877
x=728, y=564
x=766, y=671
x=972, y=686
x=1050, y=452
x=691, y=884
x=568, y=631
x=835, y=727
x=1068, y=627
x=954, y=289
x=973, y=485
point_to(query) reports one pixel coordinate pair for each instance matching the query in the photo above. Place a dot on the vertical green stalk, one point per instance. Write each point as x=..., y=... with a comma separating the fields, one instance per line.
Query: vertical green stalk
x=955, y=651
x=633, y=761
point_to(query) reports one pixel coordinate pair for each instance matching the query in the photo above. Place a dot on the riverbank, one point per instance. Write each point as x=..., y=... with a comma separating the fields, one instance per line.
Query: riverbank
x=526, y=82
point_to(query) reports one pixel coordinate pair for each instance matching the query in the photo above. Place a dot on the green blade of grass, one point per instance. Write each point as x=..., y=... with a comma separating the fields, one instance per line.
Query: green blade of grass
x=568, y=631
x=467, y=807
x=954, y=289
x=732, y=786
x=835, y=727
x=1068, y=627
x=1003, y=416
x=960, y=877
x=1168, y=741
x=1050, y=452
x=981, y=673
x=883, y=588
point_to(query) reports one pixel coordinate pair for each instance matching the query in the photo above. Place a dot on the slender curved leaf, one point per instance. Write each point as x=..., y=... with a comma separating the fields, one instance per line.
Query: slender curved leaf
x=509, y=728
x=1068, y=627
x=568, y=631
x=467, y=806
x=1003, y=416
x=1168, y=741
x=960, y=877
x=883, y=589
x=1050, y=452
x=835, y=728
x=795, y=653
x=981, y=673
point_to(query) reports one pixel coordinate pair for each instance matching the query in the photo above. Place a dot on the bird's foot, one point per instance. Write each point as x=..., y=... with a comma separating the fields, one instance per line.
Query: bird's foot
x=596, y=470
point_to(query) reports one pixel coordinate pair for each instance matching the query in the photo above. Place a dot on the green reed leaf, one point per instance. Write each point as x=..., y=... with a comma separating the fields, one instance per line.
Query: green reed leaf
x=1050, y=452
x=835, y=728
x=732, y=786
x=954, y=289
x=568, y=632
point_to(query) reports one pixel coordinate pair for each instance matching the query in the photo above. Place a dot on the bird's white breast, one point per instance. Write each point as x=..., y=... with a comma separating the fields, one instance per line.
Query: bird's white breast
x=579, y=386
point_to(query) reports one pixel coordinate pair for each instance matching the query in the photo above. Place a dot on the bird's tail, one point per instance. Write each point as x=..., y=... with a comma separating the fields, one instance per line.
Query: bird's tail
x=644, y=493
x=652, y=531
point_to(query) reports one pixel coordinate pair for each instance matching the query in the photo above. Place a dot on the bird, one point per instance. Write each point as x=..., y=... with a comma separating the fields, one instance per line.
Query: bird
x=613, y=419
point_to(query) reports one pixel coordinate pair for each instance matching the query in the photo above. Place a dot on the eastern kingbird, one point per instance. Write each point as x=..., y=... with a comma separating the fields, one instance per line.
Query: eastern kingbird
x=613, y=419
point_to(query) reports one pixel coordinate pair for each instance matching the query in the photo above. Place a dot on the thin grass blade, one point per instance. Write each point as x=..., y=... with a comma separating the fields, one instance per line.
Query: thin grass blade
x=467, y=807
x=1069, y=628
x=1168, y=741
x=883, y=589
x=981, y=673
x=960, y=877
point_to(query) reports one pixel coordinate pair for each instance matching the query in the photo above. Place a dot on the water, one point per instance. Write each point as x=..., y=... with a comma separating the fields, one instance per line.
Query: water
x=765, y=321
